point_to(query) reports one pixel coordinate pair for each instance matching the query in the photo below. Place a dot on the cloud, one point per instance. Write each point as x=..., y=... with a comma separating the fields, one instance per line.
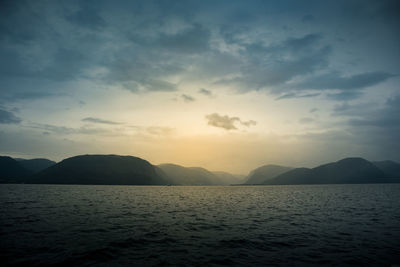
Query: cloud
x=295, y=95
x=308, y=18
x=187, y=98
x=145, y=47
x=190, y=41
x=87, y=16
x=386, y=118
x=226, y=122
x=97, y=120
x=65, y=130
x=269, y=67
x=302, y=43
x=7, y=117
x=345, y=95
x=205, y=92
x=335, y=80
x=248, y=123
x=140, y=72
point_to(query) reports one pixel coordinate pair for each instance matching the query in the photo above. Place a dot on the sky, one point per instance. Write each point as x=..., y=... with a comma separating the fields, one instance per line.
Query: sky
x=226, y=85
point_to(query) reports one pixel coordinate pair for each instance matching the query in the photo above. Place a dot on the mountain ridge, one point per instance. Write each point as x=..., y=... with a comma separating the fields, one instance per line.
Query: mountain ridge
x=101, y=169
x=345, y=171
x=265, y=172
x=130, y=170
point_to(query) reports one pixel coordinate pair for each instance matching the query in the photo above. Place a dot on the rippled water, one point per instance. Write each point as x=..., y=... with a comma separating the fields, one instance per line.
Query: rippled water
x=231, y=225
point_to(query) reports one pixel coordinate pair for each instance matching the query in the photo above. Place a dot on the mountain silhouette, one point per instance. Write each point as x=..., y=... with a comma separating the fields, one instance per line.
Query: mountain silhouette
x=226, y=178
x=129, y=170
x=189, y=175
x=102, y=169
x=264, y=173
x=390, y=168
x=35, y=165
x=345, y=171
x=11, y=170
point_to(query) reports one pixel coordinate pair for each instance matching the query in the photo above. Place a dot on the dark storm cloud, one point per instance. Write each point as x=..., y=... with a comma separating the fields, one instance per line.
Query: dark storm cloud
x=7, y=117
x=187, y=98
x=226, y=122
x=97, y=120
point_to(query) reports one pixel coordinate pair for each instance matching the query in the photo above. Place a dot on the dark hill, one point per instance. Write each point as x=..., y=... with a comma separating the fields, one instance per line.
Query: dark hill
x=345, y=171
x=390, y=168
x=264, y=173
x=11, y=170
x=189, y=175
x=35, y=165
x=101, y=169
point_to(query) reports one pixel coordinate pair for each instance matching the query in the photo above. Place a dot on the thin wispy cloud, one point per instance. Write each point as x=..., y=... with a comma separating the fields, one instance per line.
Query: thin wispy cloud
x=205, y=92
x=97, y=120
x=188, y=98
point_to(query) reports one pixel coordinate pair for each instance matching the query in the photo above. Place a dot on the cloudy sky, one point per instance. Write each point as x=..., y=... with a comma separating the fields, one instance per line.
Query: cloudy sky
x=227, y=85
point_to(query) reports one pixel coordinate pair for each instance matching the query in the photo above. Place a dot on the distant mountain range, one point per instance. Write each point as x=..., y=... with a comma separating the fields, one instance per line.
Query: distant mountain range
x=345, y=171
x=264, y=173
x=110, y=170
x=129, y=170
x=198, y=176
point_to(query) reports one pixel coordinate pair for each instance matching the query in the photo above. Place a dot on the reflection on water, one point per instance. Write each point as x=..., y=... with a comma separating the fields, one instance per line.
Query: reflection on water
x=231, y=225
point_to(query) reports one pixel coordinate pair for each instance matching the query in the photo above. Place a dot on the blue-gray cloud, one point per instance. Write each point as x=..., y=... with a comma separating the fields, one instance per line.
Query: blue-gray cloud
x=277, y=64
x=193, y=40
x=296, y=95
x=87, y=16
x=336, y=81
x=7, y=117
x=138, y=46
x=386, y=118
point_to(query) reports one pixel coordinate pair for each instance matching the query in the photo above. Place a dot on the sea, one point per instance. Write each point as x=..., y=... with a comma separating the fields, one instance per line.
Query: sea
x=299, y=225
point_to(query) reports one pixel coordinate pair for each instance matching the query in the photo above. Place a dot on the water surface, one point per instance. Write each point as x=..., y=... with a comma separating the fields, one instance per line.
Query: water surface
x=210, y=225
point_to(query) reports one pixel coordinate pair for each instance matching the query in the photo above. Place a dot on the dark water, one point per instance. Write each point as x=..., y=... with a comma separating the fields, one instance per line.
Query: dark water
x=241, y=226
